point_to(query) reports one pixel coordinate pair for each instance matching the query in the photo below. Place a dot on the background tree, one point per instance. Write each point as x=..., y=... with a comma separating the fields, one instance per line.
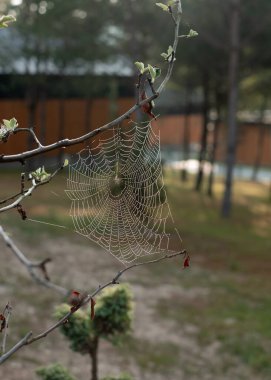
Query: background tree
x=255, y=96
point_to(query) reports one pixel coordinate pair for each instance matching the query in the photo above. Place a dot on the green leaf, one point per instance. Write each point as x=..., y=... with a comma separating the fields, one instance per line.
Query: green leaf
x=163, y=6
x=10, y=125
x=170, y=50
x=152, y=72
x=40, y=175
x=157, y=71
x=66, y=163
x=5, y=20
x=192, y=33
x=140, y=66
x=168, y=56
x=6, y=123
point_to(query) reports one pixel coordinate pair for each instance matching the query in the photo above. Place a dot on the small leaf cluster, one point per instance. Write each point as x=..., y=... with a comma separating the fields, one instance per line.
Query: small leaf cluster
x=7, y=128
x=54, y=372
x=40, y=175
x=113, y=318
x=154, y=72
x=166, y=7
x=5, y=20
x=169, y=55
x=192, y=33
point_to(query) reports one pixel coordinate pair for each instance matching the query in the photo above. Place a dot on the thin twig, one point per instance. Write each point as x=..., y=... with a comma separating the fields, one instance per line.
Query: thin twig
x=32, y=266
x=31, y=131
x=6, y=315
x=29, y=338
x=15, y=348
x=11, y=197
x=177, y=22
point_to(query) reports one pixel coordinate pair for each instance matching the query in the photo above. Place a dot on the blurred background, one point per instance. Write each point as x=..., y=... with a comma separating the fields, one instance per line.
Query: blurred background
x=67, y=67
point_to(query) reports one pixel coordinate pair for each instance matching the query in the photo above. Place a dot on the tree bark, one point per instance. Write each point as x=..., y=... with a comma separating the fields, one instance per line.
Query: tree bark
x=204, y=134
x=260, y=141
x=232, y=104
x=214, y=147
x=93, y=353
x=186, y=136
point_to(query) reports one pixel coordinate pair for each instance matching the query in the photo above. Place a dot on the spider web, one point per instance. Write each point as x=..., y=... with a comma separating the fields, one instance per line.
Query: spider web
x=118, y=195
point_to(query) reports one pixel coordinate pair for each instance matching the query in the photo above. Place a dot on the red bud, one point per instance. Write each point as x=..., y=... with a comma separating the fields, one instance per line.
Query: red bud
x=186, y=262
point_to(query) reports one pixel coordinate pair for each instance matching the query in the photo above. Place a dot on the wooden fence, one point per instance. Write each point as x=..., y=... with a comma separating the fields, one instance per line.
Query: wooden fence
x=58, y=118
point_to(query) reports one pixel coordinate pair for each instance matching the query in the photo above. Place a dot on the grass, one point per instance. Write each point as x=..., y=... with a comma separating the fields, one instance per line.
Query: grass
x=159, y=358
x=226, y=292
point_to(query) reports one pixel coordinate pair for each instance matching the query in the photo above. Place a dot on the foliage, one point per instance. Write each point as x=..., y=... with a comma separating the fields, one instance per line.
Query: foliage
x=5, y=20
x=113, y=317
x=78, y=330
x=40, y=175
x=54, y=372
x=7, y=128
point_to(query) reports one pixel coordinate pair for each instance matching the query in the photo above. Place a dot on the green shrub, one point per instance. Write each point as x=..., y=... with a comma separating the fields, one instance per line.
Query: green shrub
x=113, y=313
x=79, y=329
x=54, y=372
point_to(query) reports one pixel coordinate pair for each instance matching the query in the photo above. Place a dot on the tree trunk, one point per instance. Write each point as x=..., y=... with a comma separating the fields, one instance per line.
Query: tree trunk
x=204, y=134
x=214, y=147
x=186, y=136
x=233, y=101
x=259, y=153
x=260, y=142
x=93, y=353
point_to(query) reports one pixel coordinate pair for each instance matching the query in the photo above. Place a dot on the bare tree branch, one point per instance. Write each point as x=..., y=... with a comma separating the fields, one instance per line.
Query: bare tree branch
x=6, y=315
x=29, y=338
x=177, y=21
x=37, y=270
x=26, y=193
x=15, y=348
x=31, y=131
